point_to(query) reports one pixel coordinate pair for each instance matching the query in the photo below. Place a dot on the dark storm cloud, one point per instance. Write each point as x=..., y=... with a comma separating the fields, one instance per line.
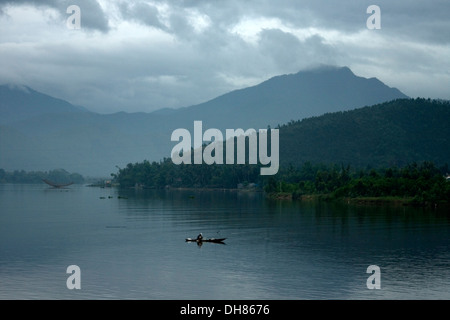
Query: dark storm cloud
x=419, y=20
x=289, y=53
x=152, y=54
x=413, y=19
x=141, y=12
x=93, y=16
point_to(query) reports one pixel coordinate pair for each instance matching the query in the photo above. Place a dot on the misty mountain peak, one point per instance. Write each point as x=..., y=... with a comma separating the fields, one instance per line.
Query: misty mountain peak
x=36, y=119
x=310, y=92
x=326, y=68
x=20, y=102
x=16, y=87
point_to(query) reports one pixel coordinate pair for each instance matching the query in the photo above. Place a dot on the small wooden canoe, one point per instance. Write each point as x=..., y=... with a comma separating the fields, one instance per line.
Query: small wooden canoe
x=221, y=240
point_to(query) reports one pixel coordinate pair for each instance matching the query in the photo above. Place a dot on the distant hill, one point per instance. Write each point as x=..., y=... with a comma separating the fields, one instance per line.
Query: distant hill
x=290, y=97
x=39, y=132
x=389, y=134
x=21, y=102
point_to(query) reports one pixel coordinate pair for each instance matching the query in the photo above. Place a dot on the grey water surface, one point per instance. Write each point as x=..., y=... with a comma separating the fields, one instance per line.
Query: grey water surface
x=130, y=244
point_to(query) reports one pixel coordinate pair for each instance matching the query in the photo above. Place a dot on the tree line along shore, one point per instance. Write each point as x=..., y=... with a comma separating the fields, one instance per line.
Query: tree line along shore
x=420, y=184
x=416, y=184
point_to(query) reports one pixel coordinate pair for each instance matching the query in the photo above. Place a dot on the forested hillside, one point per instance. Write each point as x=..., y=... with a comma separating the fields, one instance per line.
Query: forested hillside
x=397, y=149
x=394, y=133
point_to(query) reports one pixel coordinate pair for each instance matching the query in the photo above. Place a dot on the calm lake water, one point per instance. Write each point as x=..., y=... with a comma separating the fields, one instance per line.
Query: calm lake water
x=133, y=246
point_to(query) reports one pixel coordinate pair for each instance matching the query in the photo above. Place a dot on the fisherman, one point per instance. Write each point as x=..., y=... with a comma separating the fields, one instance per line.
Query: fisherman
x=200, y=237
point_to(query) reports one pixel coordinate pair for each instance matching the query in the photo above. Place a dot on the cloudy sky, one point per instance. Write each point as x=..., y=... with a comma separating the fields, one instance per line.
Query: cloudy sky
x=144, y=55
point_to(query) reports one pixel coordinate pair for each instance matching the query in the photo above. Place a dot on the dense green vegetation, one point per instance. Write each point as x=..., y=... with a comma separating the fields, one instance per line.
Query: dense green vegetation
x=418, y=183
x=394, y=133
x=396, y=150
x=165, y=173
x=58, y=175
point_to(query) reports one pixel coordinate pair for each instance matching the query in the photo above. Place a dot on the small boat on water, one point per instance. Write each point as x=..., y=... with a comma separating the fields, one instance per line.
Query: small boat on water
x=221, y=240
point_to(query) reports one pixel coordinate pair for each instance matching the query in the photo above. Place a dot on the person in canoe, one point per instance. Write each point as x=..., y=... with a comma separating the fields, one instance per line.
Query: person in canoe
x=200, y=237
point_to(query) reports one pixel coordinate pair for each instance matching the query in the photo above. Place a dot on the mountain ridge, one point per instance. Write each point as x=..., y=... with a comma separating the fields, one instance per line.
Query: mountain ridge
x=392, y=133
x=95, y=144
x=19, y=102
x=294, y=94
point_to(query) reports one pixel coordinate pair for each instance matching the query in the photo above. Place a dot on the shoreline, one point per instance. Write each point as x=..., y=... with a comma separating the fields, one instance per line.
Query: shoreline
x=288, y=196
x=256, y=190
x=361, y=201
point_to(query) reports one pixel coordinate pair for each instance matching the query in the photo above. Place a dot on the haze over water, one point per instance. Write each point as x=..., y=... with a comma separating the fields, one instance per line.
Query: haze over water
x=133, y=246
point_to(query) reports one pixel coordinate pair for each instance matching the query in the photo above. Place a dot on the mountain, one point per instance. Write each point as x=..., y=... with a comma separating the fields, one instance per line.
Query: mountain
x=289, y=97
x=21, y=102
x=333, y=152
x=39, y=132
x=393, y=133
